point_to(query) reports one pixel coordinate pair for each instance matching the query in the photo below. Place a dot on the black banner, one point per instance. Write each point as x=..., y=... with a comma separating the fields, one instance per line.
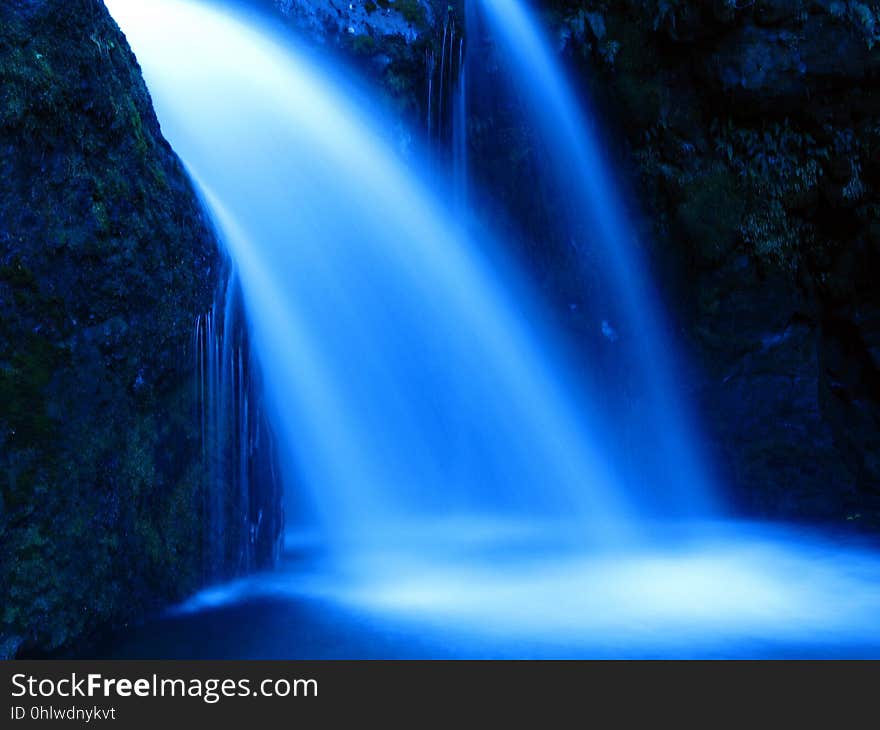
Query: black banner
x=155, y=694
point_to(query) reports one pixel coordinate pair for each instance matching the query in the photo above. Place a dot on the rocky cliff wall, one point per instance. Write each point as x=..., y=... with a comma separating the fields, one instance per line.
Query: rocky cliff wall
x=106, y=262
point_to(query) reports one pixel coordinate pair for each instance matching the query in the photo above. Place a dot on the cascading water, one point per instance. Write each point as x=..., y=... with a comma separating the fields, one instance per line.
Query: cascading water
x=459, y=134
x=407, y=380
x=243, y=524
x=591, y=219
x=443, y=456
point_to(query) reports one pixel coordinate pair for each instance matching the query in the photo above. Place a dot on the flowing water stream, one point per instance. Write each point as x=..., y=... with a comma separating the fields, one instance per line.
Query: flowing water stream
x=455, y=491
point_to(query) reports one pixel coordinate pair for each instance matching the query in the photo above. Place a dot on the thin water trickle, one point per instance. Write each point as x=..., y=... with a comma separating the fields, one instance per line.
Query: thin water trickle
x=460, y=135
x=456, y=478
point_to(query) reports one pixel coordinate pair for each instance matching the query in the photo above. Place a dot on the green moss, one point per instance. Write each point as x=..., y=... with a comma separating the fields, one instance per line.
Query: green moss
x=137, y=126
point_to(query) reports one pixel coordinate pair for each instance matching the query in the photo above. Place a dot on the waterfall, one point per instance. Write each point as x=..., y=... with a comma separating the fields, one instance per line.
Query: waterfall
x=459, y=484
x=243, y=523
x=443, y=55
x=411, y=376
x=429, y=74
x=625, y=311
x=460, y=135
x=445, y=85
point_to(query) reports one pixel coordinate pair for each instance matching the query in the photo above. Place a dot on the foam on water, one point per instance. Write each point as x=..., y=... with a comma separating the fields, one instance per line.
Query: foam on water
x=495, y=590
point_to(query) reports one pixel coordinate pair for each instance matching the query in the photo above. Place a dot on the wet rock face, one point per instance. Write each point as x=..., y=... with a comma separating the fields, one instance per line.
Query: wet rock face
x=396, y=44
x=387, y=39
x=753, y=133
x=106, y=259
x=326, y=20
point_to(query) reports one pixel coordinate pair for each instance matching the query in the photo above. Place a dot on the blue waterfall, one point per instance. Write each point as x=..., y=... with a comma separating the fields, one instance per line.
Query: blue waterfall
x=456, y=489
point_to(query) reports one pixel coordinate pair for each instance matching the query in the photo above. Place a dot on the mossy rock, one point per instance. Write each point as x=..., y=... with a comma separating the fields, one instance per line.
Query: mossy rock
x=106, y=258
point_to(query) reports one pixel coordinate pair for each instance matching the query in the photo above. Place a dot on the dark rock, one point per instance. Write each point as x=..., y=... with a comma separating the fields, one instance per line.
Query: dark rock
x=724, y=11
x=850, y=393
x=711, y=238
x=773, y=66
x=596, y=24
x=874, y=236
x=771, y=217
x=106, y=260
x=761, y=398
x=396, y=44
x=773, y=12
x=685, y=22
